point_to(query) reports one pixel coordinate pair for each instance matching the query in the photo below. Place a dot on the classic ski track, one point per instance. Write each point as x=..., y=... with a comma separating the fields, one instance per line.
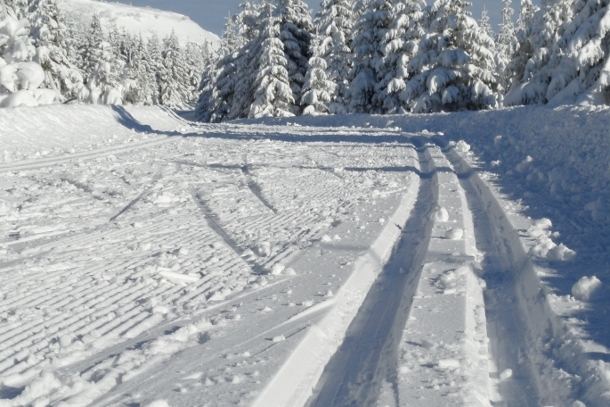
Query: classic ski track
x=518, y=301
x=368, y=354
x=501, y=311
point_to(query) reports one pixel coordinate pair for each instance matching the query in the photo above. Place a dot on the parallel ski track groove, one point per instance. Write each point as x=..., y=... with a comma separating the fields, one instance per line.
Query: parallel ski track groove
x=383, y=314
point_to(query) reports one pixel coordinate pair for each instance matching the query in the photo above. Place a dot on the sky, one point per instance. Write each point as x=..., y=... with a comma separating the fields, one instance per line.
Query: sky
x=210, y=14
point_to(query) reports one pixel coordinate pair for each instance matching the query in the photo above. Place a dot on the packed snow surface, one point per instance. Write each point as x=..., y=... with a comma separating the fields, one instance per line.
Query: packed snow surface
x=138, y=20
x=442, y=260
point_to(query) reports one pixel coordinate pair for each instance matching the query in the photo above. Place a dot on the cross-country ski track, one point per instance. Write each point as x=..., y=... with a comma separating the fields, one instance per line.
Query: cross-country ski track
x=259, y=266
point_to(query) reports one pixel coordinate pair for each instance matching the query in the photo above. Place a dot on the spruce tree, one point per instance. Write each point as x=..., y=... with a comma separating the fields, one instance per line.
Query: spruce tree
x=547, y=28
x=173, y=76
x=399, y=46
x=296, y=30
x=334, y=25
x=273, y=96
x=454, y=67
x=371, y=30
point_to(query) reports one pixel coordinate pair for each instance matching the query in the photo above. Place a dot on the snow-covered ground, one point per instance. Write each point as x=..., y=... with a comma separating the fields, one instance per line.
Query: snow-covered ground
x=139, y=20
x=384, y=261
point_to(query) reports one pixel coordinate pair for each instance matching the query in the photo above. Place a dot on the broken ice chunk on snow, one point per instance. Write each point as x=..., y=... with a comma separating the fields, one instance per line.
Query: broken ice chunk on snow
x=158, y=403
x=278, y=338
x=561, y=252
x=454, y=234
x=441, y=215
x=585, y=288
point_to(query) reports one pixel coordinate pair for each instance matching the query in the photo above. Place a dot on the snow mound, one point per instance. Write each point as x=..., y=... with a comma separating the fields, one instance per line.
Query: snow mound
x=585, y=288
x=138, y=20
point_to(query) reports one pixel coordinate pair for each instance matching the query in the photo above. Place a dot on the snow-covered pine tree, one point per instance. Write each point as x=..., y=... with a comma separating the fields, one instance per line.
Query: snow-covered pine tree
x=317, y=86
x=547, y=28
x=152, y=64
x=195, y=57
x=581, y=58
x=20, y=78
x=505, y=45
x=524, y=48
x=454, y=67
x=246, y=25
x=273, y=96
x=485, y=25
x=173, y=77
x=219, y=84
x=399, y=45
x=50, y=36
x=334, y=25
x=132, y=80
x=296, y=30
x=370, y=31
x=95, y=36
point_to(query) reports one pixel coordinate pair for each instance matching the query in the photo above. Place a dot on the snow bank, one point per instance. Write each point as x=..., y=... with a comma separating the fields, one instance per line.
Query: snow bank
x=36, y=132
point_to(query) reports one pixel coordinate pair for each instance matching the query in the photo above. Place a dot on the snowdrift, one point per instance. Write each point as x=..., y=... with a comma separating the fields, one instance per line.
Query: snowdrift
x=28, y=133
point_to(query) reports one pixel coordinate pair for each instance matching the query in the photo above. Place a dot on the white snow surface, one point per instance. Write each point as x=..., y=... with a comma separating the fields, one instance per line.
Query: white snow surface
x=349, y=260
x=136, y=20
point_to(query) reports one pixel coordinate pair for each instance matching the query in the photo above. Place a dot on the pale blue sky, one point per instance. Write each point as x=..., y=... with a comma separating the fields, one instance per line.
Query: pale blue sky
x=210, y=14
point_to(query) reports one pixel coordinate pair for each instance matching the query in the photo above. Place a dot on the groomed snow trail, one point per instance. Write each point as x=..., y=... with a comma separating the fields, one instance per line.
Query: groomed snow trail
x=216, y=265
x=367, y=358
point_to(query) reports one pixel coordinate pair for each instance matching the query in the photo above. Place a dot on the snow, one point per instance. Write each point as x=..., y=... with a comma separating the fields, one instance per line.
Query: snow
x=584, y=289
x=147, y=260
x=138, y=20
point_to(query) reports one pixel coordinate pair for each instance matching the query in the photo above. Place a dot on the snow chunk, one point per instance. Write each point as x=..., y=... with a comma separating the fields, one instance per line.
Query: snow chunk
x=158, y=403
x=506, y=374
x=585, y=288
x=448, y=363
x=454, y=234
x=278, y=338
x=441, y=215
x=462, y=147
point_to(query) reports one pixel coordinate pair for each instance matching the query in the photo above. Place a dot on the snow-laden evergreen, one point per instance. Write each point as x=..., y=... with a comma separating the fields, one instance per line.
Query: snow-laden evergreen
x=399, y=46
x=173, y=77
x=546, y=28
x=454, y=67
x=334, y=25
x=296, y=32
x=273, y=96
x=317, y=87
x=371, y=31
x=505, y=45
x=580, y=70
x=50, y=38
x=20, y=77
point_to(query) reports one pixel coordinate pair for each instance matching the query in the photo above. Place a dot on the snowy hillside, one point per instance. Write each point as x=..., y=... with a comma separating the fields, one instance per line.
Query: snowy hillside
x=140, y=20
x=426, y=260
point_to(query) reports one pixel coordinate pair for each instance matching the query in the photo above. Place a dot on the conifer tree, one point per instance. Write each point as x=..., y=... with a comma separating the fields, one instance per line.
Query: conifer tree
x=371, y=30
x=547, y=27
x=271, y=88
x=334, y=25
x=505, y=45
x=173, y=77
x=399, y=46
x=296, y=28
x=454, y=67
